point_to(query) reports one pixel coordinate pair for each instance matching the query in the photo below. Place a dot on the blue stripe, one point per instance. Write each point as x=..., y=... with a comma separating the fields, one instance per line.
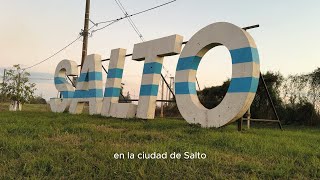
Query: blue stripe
x=115, y=73
x=152, y=68
x=185, y=88
x=243, y=84
x=93, y=76
x=67, y=94
x=188, y=63
x=112, y=92
x=91, y=93
x=59, y=80
x=243, y=55
x=83, y=77
x=149, y=90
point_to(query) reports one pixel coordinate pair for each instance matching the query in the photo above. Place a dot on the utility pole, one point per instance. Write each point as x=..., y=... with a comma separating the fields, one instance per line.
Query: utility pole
x=85, y=32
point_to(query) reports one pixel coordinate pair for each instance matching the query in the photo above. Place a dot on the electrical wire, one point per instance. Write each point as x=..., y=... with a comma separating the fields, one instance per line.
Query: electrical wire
x=95, y=25
x=53, y=54
x=95, y=30
x=135, y=28
x=152, y=8
x=92, y=22
x=128, y=15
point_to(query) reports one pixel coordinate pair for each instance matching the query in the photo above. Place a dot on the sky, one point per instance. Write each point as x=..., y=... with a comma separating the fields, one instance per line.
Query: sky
x=31, y=31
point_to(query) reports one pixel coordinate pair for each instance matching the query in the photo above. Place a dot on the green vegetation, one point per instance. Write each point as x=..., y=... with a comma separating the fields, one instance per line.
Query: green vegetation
x=16, y=85
x=296, y=98
x=47, y=145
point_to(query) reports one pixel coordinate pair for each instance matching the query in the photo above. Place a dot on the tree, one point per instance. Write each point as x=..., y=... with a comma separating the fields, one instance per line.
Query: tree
x=38, y=100
x=303, y=92
x=261, y=107
x=314, y=92
x=296, y=98
x=17, y=87
x=212, y=96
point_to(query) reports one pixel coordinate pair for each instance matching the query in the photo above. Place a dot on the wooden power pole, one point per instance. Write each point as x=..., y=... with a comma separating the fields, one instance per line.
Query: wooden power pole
x=85, y=32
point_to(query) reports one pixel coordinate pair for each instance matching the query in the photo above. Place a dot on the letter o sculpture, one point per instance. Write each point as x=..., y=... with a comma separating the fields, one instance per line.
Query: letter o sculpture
x=244, y=82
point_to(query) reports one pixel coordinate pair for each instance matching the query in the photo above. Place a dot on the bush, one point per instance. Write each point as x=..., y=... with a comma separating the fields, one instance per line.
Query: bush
x=38, y=100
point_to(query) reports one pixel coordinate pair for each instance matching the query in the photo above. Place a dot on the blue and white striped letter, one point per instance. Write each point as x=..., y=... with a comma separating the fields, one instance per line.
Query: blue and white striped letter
x=153, y=53
x=63, y=69
x=110, y=106
x=244, y=82
x=89, y=87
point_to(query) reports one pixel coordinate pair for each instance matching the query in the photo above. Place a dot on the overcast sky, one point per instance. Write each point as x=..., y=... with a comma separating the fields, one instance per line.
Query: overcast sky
x=287, y=40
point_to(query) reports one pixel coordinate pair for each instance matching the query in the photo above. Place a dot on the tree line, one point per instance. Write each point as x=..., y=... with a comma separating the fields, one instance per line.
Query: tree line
x=296, y=97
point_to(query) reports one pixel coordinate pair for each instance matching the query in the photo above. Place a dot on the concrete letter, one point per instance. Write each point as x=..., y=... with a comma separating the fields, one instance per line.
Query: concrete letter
x=63, y=69
x=153, y=53
x=244, y=82
x=89, y=87
x=110, y=106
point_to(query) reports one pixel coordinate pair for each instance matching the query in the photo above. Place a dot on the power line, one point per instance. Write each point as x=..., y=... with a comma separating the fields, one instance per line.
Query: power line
x=127, y=16
x=96, y=24
x=152, y=8
x=137, y=13
x=92, y=22
x=95, y=30
x=135, y=28
x=53, y=54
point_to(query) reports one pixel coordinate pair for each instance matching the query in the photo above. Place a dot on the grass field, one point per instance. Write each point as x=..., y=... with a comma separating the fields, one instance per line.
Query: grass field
x=40, y=144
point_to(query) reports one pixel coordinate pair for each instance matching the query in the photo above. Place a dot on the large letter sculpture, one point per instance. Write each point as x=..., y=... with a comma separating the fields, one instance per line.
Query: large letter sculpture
x=242, y=89
x=153, y=53
x=89, y=87
x=64, y=68
x=111, y=107
x=243, y=85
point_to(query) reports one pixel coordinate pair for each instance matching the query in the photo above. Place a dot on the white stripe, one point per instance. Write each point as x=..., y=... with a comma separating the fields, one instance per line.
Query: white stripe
x=186, y=76
x=249, y=69
x=113, y=82
x=229, y=35
x=64, y=87
x=97, y=84
x=150, y=79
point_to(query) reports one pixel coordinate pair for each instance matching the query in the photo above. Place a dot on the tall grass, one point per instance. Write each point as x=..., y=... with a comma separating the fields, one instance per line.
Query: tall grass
x=35, y=144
